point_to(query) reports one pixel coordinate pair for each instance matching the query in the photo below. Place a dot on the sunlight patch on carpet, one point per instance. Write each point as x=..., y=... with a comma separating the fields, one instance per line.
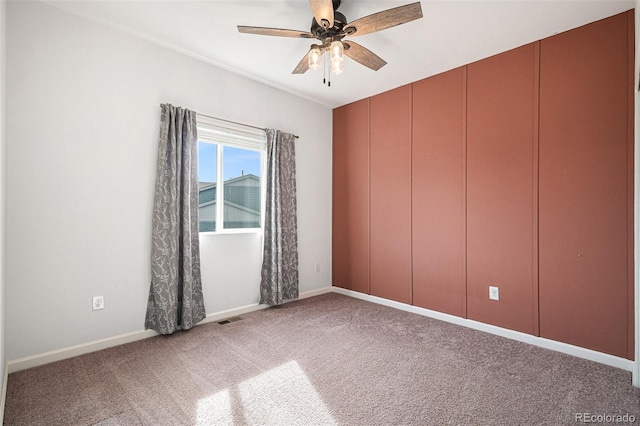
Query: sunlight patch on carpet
x=283, y=395
x=215, y=409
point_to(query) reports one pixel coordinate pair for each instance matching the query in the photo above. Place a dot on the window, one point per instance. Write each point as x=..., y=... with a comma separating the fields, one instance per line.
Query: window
x=234, y=155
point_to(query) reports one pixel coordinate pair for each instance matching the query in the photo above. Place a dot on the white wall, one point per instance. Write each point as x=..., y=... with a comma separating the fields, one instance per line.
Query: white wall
x=636, y=369
x=83, y=116
x=3, y=144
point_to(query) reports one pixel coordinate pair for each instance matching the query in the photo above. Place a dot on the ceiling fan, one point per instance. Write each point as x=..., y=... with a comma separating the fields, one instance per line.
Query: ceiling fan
x=330, y=26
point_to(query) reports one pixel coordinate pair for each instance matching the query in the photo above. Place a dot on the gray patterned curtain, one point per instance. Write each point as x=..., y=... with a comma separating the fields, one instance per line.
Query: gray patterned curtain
x=280, y=255
x=175, y=296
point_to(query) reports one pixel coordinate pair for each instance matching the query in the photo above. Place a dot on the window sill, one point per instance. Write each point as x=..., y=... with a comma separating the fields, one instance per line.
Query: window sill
x=234, y=231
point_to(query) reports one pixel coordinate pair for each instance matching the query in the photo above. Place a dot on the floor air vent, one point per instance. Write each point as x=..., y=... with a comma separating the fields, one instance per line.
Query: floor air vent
x=228, y=320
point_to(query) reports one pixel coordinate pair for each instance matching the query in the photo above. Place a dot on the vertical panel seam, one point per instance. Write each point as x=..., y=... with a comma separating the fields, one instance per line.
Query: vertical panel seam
x=536, y=190
x=411, y=194
x=464, y=189
x=369, y=195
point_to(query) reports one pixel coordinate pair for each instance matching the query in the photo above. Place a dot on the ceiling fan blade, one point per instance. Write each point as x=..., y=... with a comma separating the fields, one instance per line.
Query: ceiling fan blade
x=323, y=11
x=303, y=65
x=363, y=55
x=278, y=32
x=385, y=19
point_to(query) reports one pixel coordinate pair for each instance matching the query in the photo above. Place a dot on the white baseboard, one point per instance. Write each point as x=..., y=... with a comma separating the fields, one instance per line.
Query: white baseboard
x=565, y=348
x=69, y=352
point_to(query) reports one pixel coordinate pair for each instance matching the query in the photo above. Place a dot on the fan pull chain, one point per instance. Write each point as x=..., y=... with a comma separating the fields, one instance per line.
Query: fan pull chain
x=324, y=69
x=329, y=72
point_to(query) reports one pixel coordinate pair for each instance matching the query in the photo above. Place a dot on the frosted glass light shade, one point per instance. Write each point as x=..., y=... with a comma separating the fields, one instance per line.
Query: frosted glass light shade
x=315, y=59
x=337, y=51
x=337, y=67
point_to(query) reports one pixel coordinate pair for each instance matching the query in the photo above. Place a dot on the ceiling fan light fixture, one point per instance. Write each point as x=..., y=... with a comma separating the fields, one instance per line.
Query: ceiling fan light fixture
x=337, y=67
x=315, y=58
x=329, y=27
x=337, y=51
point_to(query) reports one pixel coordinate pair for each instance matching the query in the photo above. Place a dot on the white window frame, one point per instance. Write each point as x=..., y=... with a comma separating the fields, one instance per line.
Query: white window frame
x=223, y=133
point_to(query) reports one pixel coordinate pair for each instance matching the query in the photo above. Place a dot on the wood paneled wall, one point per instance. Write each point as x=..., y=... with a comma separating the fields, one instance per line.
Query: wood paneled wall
x=438, y=193
x=350, y=244
x=391, y=195
x=500, y=188
x=585, y=173
x=515, y=171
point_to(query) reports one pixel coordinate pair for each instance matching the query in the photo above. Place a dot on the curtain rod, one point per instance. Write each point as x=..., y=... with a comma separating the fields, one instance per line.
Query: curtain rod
x=235, y=122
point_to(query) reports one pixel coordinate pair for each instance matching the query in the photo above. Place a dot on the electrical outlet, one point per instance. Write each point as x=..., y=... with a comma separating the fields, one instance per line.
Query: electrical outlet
x=494, y=293
x=98, y=303
x=317, y=267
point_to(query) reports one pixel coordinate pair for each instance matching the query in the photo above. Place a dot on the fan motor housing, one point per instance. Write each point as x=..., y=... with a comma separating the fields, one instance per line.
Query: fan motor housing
x=339, y=21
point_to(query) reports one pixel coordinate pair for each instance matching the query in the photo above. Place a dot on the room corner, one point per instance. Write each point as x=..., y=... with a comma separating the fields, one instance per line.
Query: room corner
x=3, y=144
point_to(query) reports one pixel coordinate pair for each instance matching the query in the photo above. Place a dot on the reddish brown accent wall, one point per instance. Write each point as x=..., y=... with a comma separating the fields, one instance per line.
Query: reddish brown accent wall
x=500, y=163
x=438, y=193
x=391, y=195
x=584, y=195
x=548, y=158
x=350, y=255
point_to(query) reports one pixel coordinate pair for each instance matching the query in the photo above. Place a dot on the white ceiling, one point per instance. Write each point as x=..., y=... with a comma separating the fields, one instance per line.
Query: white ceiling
x=451, y=33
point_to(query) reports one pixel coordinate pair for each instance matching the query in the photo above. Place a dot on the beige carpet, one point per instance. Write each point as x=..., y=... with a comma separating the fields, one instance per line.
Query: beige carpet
x=326, y=360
